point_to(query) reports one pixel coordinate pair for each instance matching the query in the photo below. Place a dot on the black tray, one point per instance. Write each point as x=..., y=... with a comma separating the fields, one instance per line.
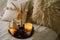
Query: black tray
x=21, y=34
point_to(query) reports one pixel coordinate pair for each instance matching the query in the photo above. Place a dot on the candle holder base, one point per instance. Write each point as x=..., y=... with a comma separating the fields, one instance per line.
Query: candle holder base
x=20, y=33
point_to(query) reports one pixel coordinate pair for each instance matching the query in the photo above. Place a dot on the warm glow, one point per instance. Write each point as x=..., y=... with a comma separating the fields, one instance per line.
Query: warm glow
x=28, y=27
x=19, y=16
x=14, y=24
x=12, y=30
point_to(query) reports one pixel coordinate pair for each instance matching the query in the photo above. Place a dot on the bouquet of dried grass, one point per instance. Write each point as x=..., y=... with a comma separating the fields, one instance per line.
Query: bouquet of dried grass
x=47, y=13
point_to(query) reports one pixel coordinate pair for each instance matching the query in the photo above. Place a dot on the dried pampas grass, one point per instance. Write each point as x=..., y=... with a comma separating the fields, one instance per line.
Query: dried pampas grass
x=47, y=13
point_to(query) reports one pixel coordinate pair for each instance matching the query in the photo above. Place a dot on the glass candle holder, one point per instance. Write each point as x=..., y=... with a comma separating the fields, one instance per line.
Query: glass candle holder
x=28, y=28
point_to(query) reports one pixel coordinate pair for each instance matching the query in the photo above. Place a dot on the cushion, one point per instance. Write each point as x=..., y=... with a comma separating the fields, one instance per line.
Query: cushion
x=11, y=14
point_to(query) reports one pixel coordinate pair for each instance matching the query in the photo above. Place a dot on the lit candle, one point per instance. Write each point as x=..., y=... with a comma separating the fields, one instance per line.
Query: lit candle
x=14, y=24
x=28, y=28
x=12, y=27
